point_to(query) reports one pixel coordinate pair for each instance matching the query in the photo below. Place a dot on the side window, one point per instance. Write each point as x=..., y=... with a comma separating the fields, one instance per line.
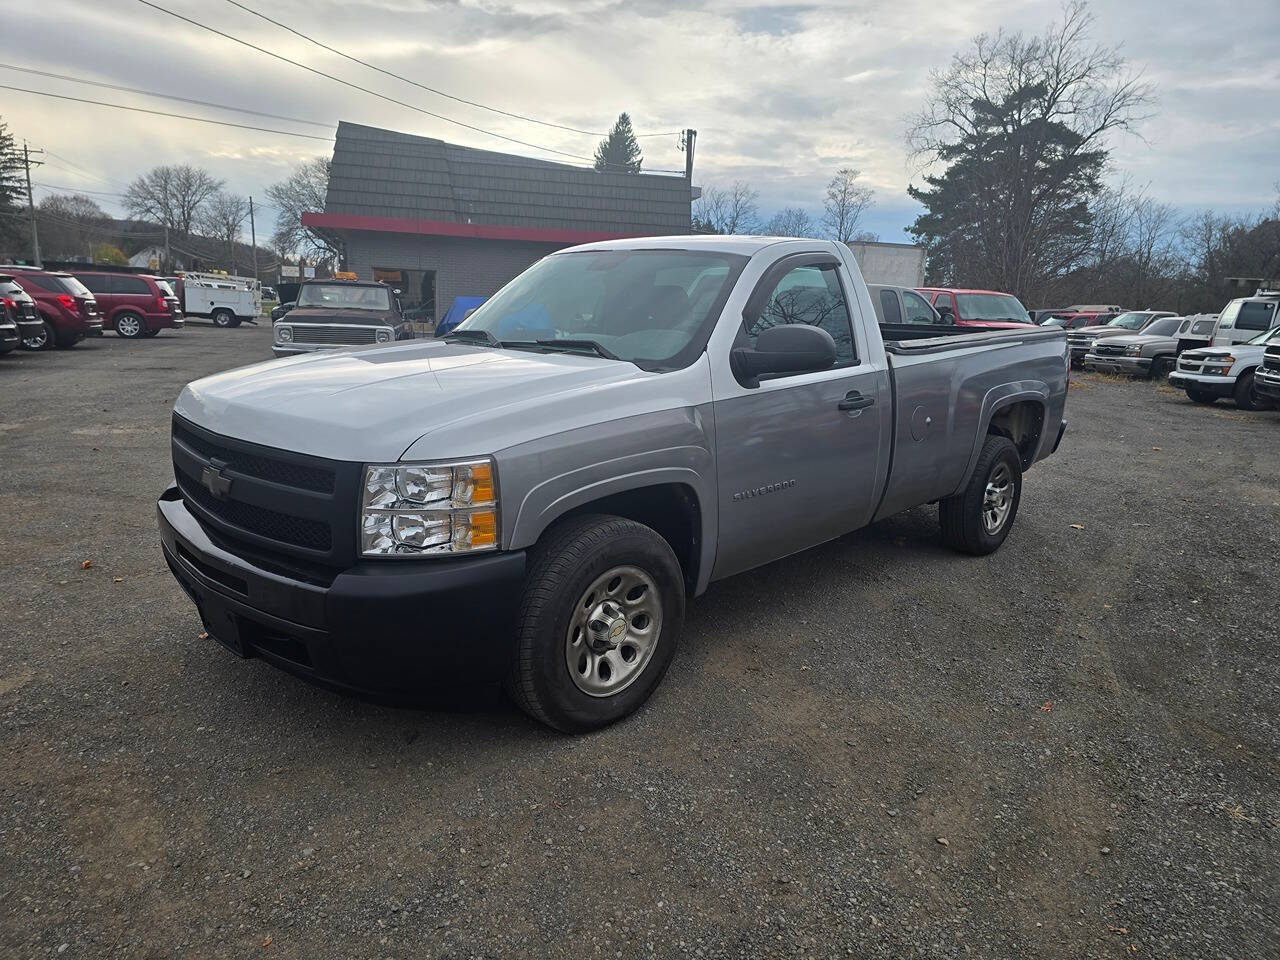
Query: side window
x=944, y=301
x=810, y=294
x=122, y=283
x=1255, y=316
x=97, y=283
x=889, y=306
x=917, y=311
x=50, y=284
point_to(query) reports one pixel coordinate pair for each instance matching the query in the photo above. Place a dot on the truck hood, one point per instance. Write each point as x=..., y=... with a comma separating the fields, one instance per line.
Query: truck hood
x=1241, y=351
x=1142, y=338
x=372, y=404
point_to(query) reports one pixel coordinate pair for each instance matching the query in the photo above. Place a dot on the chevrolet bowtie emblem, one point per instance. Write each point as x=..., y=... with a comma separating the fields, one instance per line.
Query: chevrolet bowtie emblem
x=215, y=481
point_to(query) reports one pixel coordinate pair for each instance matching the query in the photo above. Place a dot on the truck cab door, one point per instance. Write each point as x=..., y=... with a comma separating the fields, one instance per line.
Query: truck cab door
x=798, y=456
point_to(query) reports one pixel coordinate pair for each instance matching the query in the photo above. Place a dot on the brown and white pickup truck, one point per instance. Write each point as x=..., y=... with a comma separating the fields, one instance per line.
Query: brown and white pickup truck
x=340, y=313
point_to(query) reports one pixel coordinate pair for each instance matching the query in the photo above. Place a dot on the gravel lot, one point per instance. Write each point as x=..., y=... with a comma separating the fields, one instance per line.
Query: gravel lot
x=876, y=749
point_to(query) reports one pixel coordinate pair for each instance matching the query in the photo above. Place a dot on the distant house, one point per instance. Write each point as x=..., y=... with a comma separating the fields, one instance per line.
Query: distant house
x=438, y=220
x=148, y=258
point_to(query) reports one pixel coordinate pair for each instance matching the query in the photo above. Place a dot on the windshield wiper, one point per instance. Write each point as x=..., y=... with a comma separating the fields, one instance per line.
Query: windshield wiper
x=570, y=345
x=474, y=336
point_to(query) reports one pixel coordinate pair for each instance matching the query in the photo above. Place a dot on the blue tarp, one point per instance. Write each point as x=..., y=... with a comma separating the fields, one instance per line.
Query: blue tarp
x=456, y=312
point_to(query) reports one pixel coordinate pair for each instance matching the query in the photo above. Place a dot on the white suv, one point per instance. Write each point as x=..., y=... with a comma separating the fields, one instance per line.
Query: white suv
x=1215, y=372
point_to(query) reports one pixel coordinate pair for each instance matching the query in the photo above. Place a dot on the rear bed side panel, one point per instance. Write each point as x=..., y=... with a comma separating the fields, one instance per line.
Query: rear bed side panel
x=946, y=398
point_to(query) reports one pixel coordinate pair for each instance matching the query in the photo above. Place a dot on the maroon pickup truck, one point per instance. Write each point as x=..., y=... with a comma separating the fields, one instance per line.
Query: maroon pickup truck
x=67, y=308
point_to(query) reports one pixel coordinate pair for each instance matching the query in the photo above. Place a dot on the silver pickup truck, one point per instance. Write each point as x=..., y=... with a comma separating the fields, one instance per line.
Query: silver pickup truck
x=535, y=497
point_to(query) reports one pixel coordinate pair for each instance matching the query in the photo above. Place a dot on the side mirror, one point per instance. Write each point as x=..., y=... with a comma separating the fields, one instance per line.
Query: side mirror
x=789, y=348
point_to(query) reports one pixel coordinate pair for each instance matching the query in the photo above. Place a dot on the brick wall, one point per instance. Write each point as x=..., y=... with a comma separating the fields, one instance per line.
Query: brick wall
x=463, y=267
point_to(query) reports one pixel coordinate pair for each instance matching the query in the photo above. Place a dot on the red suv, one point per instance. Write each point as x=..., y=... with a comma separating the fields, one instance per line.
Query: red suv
x=67, y=308
x=132, y=304
x=978, y=308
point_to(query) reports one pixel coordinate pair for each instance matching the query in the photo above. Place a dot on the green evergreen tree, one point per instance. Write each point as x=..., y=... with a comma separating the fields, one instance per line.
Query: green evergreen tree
x=619, y=151
x=13, y=196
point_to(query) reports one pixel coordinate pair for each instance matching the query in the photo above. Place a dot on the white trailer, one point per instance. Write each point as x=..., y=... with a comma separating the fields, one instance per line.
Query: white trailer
x=892, y=264
x=225, y=300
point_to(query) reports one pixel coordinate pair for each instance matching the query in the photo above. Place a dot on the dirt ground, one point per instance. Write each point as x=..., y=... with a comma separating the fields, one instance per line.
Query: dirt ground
x=875, y=749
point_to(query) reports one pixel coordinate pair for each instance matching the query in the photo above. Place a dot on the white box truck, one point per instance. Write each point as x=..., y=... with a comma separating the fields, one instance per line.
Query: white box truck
x=892, y=264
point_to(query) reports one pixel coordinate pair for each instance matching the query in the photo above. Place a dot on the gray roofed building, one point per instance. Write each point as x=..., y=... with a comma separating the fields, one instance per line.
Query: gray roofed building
x=439, y=220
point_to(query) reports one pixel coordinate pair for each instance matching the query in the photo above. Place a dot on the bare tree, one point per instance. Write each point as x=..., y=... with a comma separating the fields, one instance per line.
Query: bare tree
x=171, y=196
x=69, y=224
x=303, y=192
x=1022, y=126
x=845, y=204
x=791, y=222
x=727, y=210
x=223, y=218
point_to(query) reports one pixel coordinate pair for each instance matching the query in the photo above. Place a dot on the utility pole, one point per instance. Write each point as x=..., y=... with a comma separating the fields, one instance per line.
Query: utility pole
x=253, y=238
x=168, y=257
x=690, y=138
x=31, y=204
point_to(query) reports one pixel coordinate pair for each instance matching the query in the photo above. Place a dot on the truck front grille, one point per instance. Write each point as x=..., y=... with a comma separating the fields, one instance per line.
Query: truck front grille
x=1271, y=360
x=1108, y=350
x=290, y=506
x=347, y=336
x=1191, y=363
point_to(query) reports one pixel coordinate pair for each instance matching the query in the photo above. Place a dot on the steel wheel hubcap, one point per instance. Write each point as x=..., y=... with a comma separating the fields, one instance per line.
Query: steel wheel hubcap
x=997, y=501
x=128, y=326
x=613, y=631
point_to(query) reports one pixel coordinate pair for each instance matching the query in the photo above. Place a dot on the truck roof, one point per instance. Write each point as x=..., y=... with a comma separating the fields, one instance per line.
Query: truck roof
x=711, y=243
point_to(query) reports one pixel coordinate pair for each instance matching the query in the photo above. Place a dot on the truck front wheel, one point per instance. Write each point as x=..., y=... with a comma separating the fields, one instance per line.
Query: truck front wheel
x=600, y=617
x=978, y=519
x=1201, y=396
x=1246, y=396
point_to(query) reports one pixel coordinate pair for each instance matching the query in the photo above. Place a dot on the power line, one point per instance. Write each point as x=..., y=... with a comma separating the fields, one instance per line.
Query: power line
x=54, y=186
x=356, y=86
x=162, y=113
x=422, y=86
x=165, y=96
x=77, y=168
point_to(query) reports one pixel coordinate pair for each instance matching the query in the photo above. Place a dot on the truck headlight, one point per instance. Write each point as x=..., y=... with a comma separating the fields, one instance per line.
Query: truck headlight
x=416, y=509
x=383, y=336
x=284, y=334
x=1133, y=351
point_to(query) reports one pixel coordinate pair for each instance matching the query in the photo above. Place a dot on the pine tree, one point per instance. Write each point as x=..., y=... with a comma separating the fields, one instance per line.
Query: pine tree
x=619, y=152
x=13, y=194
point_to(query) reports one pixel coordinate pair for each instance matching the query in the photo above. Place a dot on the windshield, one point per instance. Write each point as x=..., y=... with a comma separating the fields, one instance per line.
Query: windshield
x=1269, y=336
x=75, y=287
x=650, y=307
x=345, y=296
x=1054, y=322
x=992, y=306
x=1164, y=327
x=1130, y=321
x=1227, y=319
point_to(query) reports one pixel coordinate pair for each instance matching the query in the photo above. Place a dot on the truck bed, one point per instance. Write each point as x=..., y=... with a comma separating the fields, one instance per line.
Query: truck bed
x=944, y=389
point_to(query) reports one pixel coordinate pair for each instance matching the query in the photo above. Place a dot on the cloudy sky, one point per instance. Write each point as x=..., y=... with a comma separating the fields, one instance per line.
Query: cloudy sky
x=781, y=94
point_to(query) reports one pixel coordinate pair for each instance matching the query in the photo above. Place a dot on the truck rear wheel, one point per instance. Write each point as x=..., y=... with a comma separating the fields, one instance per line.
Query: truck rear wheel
x=978, y=519
x=224, y=318
x=600, y=618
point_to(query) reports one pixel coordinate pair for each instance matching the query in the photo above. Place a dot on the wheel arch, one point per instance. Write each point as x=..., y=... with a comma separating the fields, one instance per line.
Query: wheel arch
x=1015, y=411
x=666, y=499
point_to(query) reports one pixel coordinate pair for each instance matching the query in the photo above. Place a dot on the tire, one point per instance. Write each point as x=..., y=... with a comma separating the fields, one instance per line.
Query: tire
x=977, y=520
x=584, y=571
x=1200, y=396
x=224, y=318
x=130, y=326
x=43, y=342
x=151, y=332
x=66, y=343
x=1161, y=367
x=1246, y=396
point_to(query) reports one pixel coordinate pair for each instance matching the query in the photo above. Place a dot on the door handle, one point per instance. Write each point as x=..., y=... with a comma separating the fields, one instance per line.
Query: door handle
x=853, y=400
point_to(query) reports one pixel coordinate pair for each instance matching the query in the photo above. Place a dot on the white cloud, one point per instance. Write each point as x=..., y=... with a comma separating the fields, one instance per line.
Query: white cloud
x=782, y=93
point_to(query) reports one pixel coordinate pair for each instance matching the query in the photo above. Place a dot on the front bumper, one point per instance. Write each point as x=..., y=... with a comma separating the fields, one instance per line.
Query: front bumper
x=1136, y=366
x=28, y=328
x=1217, y=386
x=1267, y=384
x=9, y=337
x=392, y=627
x=292, y=349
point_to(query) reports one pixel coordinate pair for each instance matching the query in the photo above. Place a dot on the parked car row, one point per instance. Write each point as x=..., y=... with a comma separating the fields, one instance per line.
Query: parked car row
x=1232, y=355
